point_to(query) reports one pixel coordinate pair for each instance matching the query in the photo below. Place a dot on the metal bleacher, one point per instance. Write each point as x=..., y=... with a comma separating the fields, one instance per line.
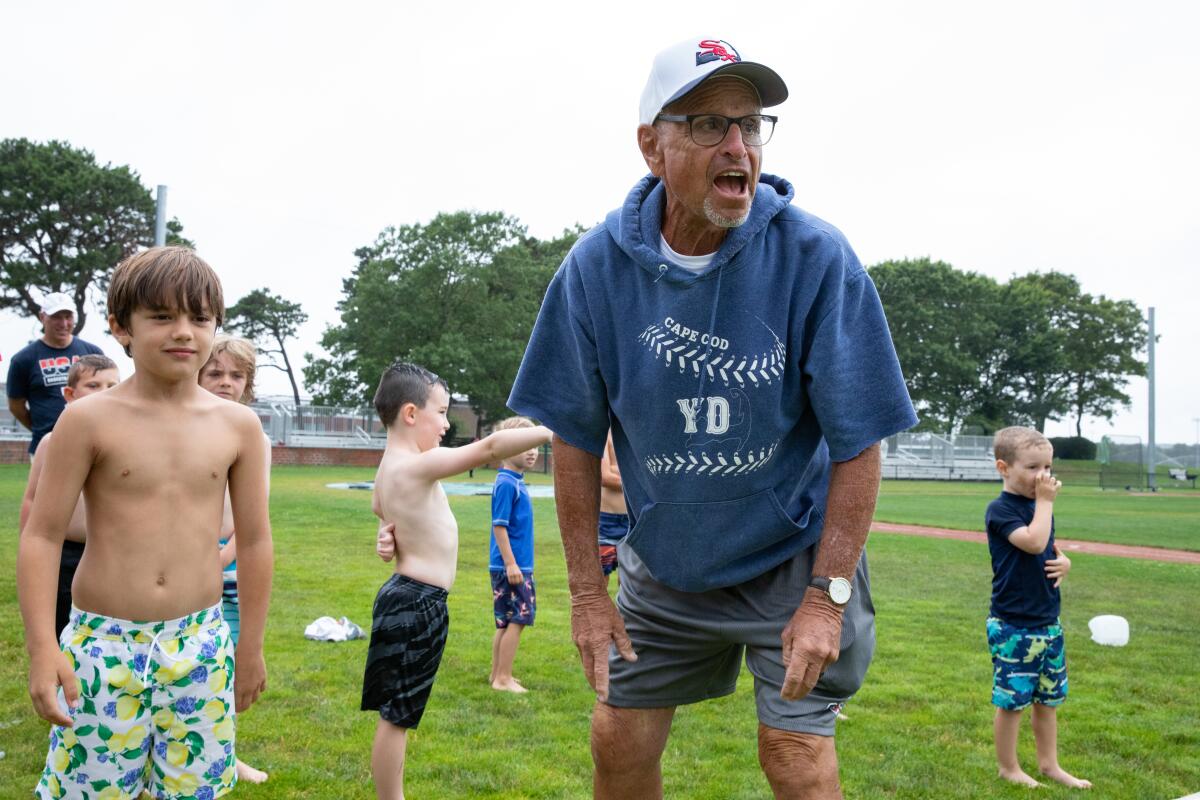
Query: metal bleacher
x=941, y=457
x=321, y=426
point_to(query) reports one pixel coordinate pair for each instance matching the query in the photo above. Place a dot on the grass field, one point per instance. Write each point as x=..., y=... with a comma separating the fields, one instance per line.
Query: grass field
x=920, y=728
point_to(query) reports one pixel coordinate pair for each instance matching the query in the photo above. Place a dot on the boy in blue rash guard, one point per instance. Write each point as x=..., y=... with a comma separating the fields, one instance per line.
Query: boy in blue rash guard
x=510, y=560
x=1023, y=632
x=739, y=353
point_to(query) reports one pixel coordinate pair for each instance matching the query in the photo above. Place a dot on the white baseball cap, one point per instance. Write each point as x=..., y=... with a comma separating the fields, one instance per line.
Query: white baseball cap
x=682, y=67
x=56, y=302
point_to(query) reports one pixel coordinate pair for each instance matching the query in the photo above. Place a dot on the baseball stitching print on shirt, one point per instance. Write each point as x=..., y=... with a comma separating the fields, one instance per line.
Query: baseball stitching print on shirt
x=717, y=427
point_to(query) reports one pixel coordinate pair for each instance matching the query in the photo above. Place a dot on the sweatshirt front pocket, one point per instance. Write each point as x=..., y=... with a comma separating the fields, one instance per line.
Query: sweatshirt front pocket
x=695, y=547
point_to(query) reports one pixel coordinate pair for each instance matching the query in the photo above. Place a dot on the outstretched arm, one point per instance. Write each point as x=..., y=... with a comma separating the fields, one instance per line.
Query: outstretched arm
x=812, y=639
x=595, y=622
x=442, y=462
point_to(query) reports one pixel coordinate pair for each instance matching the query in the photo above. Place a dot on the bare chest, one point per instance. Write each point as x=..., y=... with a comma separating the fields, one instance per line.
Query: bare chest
x=187, y=458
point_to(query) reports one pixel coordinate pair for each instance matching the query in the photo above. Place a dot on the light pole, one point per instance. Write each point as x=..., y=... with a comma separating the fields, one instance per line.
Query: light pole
x=1197, y=421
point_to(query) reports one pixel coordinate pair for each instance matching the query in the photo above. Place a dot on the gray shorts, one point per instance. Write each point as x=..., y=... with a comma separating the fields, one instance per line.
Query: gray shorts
x=690, y=644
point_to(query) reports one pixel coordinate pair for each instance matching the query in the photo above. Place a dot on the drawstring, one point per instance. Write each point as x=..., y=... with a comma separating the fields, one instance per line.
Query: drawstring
x=712, y=323
x=150, y=655
x=662, y=270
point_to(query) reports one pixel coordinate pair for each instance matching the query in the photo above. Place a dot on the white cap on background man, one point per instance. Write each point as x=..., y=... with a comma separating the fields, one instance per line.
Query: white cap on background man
x=56, y=302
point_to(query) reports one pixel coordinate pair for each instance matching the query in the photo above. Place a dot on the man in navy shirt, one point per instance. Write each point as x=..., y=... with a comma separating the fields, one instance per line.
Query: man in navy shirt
x=739, y=353
x=38, y=371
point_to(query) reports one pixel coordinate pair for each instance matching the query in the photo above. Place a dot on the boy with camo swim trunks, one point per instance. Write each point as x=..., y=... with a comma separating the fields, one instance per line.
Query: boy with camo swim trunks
x=141, y=688
x=409, y=621
x=1023, y=631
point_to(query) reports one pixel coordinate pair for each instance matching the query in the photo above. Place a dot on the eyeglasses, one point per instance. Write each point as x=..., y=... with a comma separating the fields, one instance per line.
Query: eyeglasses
x=708, y=130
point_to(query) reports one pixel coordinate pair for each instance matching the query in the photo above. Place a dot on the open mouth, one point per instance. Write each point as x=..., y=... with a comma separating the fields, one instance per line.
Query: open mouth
x=731, y=182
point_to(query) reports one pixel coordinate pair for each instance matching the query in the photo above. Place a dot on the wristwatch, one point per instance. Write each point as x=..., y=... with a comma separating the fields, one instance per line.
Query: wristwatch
x=838, y=589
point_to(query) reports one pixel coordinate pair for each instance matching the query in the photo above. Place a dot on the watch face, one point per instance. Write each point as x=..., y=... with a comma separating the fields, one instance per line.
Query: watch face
x=839, y=591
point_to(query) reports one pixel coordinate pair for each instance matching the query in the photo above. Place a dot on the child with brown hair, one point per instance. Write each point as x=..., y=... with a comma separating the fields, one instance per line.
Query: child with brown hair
x=142, y=691
x=90, y=374
x=1025, y=637
x=229, y=374
x=410, y=619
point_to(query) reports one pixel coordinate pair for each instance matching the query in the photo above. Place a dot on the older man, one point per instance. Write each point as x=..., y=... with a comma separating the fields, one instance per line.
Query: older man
x=739, y=352
x=38, y=371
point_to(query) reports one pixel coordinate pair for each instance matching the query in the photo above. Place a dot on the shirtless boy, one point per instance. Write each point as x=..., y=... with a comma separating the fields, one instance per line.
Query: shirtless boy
x=410, y=621
x=90, y=374
x=152, y=458
x=614, y=518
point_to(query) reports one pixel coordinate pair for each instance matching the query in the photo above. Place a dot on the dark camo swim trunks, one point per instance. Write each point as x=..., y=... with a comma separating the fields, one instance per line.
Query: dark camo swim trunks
x=408, y=635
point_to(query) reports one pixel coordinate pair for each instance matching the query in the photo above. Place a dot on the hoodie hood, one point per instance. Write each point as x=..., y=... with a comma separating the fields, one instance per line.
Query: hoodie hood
x=637, y=226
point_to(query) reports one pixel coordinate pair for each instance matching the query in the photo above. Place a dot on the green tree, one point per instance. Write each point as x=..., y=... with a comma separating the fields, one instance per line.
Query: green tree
x=66, y=222
x=1102, y=347
x=979, y=353
x=944, y=328
x=269, y=321
x=1035, y=320
x=458, y=295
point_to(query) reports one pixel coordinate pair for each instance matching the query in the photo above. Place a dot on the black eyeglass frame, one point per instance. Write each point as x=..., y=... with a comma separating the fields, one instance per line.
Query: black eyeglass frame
x=689, y=118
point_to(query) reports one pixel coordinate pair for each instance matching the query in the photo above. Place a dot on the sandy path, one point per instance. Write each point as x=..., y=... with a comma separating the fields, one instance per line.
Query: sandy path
x=1070, y=545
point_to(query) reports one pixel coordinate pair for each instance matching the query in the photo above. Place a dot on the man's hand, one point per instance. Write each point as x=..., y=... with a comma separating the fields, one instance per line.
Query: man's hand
x=596, y=624
x=514, y=574
x=46, y=673
x=249, y=678
x=1057, y=567
x=385, y=541
x=811, y=642
x=1046, y=487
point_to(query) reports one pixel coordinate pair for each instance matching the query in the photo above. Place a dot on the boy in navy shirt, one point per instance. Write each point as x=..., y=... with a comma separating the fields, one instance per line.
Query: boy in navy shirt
x=1023, y=630
x=511, y=561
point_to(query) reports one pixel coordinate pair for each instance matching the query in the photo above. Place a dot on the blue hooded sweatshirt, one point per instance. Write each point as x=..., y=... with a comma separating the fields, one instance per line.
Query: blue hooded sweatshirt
x=729, y=391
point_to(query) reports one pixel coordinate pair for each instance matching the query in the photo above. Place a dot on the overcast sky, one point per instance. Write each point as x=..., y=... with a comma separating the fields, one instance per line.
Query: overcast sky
x=1001, y=138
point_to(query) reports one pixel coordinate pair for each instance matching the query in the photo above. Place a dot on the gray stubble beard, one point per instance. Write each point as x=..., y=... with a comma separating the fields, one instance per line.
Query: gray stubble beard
x=721, y=221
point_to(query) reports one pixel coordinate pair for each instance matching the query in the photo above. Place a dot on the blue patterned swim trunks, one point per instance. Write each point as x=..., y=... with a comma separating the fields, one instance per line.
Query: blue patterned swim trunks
x=1029, y=665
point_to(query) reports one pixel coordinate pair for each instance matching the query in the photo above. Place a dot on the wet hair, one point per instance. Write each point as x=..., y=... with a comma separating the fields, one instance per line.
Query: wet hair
x=513, y=422
x=165, y=278
x=88, y=365
x=1009, y=442
x=241, y=352
x=403, y=383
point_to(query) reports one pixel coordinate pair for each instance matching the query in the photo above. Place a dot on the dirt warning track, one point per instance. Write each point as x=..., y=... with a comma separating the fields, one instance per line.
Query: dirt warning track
x=1069, y=545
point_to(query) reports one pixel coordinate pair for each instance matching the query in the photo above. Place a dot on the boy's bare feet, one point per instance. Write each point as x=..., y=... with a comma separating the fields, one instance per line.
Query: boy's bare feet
x=1065, y=778
x=1019, y=776
x=245, y=772
x=510, y=685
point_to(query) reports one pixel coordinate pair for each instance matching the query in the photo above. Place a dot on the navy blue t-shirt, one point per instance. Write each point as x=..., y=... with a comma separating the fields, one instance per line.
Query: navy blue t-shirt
x=513, y=510
x=37, y=374
x=1022, y=595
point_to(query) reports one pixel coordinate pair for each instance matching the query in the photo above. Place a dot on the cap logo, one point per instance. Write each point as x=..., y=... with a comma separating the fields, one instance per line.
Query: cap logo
x=716, y=50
